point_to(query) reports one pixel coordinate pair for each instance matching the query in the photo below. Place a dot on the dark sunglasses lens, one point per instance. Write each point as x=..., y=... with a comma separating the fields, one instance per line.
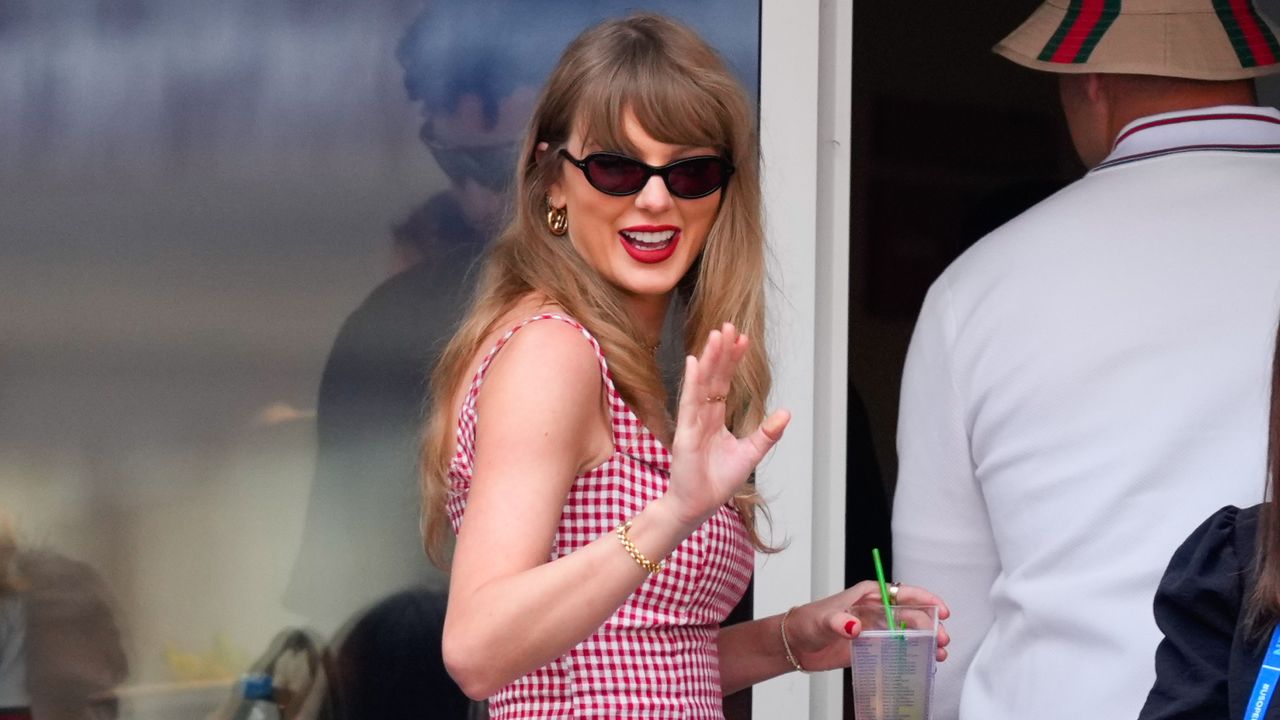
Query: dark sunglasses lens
x=616, y=174
x=696, y=177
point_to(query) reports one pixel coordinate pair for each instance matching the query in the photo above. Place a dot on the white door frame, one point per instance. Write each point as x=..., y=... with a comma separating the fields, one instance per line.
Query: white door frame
x=806, y=55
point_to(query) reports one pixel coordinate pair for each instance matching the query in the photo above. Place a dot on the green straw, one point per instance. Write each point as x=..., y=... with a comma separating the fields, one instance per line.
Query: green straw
x=884, y=590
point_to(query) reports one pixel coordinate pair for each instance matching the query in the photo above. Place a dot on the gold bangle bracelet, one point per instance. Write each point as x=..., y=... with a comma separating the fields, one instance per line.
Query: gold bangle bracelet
x=653, y=568
x=782, y=628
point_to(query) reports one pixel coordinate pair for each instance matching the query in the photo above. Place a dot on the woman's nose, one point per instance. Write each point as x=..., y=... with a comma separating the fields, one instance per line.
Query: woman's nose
x=654, y=196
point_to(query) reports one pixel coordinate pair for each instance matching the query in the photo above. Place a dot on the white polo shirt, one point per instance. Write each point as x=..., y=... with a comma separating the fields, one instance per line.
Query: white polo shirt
x=1084, y=386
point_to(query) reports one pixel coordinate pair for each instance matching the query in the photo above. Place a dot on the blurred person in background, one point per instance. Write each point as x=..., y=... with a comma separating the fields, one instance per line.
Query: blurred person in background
x=388, y=665
x=434, y=230
x=360, y=563
x=361, y=540
x=60, y=649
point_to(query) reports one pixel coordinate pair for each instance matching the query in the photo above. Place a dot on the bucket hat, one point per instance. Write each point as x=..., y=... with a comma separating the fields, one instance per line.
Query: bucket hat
x=1194, y=39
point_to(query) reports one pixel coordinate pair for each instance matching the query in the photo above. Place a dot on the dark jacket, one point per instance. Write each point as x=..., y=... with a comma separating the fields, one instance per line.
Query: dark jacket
x=1208, y=661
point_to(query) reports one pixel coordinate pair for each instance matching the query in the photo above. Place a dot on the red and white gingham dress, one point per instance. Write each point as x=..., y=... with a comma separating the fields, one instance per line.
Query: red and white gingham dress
x=655, y=657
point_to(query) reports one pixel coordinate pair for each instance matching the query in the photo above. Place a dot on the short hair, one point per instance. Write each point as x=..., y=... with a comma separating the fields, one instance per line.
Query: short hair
x=490, y=48
x=484, y=48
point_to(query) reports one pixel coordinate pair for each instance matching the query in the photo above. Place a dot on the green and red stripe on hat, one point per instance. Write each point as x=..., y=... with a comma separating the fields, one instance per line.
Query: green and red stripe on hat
x=1194, y=39
x=1252, y=40
x=1083, y=26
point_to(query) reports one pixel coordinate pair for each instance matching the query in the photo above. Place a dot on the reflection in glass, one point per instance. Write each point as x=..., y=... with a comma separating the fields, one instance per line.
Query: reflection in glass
x=228, y=257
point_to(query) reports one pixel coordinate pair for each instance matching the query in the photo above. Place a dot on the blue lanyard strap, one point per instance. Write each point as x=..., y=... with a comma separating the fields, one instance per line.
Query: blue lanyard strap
x=1264, y=687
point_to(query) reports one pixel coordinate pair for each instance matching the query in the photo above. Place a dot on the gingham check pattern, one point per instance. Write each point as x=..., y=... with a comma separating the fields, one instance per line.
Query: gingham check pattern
x=655, y=657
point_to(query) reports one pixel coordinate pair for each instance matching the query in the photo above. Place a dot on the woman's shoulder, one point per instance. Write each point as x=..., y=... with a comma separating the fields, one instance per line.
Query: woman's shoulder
x=540, y=331
x=1215, y=553
x=1230, y=527
x=531, y=337
x=539, y=349
x=543, y=382
x=1204, y=663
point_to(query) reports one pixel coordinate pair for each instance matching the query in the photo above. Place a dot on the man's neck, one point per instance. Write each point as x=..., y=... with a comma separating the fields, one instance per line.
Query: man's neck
x=1132, y=100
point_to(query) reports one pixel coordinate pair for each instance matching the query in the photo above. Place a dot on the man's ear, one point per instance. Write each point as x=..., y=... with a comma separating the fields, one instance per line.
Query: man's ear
x=1105, y=93
x=1096, y=87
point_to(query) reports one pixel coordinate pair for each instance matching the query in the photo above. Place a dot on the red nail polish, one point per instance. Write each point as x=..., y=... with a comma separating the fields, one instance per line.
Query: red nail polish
x=848, y=627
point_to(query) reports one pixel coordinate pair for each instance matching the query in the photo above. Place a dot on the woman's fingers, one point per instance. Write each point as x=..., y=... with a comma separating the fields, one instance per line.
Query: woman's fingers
x=868, y=591
x=734, y=346
x=769, y=432
x=912, y=595
x=943, y=640
x=710, y=354
x=844, y=625
x=715, y=368
x=724, y=350
x=708, y=380
x=688, y=407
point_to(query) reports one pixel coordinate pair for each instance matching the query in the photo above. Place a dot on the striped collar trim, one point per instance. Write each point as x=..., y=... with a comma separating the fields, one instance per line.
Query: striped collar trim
x=1228, y=128
x=1265, y=149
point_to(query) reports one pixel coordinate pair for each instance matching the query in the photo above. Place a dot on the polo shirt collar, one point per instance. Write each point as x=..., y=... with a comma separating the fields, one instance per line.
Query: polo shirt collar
x=1230, y=128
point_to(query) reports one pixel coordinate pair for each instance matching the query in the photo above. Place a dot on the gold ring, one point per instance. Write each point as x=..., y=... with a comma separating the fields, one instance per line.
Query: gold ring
x=893, y=592
x=715, y=398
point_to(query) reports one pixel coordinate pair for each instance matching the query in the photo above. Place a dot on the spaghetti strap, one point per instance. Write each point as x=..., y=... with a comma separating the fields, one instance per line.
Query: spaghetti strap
x=630, y=436
x=478, y=379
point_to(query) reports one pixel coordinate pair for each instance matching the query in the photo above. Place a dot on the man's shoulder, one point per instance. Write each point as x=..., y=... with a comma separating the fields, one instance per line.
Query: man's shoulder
x=1077, y=200
x=1041, y=223
x=1081, y=215
x=1101, y=201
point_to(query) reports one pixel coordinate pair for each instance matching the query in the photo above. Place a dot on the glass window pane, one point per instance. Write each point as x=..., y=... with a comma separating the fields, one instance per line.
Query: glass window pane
x=233, y=236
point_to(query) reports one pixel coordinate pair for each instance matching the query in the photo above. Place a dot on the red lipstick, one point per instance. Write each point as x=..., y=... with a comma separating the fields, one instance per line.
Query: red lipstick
x=649, y=244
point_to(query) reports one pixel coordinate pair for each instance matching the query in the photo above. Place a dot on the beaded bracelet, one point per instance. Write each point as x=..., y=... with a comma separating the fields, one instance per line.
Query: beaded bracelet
x=782, y=627
x=652, y=567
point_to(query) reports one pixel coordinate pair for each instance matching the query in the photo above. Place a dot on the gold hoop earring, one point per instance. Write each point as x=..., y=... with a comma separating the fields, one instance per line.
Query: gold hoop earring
x=557, y=219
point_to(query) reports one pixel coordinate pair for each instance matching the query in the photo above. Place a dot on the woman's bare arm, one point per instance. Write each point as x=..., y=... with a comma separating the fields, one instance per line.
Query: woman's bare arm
x=540, y=419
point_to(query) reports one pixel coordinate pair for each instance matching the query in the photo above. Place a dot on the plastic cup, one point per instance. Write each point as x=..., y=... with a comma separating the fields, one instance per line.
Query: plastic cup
x=893, y=667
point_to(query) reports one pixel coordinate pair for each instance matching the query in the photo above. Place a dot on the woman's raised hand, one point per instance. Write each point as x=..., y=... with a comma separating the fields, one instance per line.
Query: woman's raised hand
x=708, y=462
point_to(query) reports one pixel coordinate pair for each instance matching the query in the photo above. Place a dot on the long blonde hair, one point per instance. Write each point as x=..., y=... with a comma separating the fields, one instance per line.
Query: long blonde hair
x=680, y=91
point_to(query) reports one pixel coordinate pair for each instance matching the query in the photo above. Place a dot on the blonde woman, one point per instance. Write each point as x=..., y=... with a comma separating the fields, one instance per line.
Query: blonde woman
x=599, y=543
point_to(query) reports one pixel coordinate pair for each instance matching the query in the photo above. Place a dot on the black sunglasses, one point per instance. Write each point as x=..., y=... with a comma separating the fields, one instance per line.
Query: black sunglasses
x=687, y=178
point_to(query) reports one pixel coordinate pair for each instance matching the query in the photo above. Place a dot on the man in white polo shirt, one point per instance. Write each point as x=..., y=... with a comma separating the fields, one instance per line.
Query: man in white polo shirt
x=1088, y=382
